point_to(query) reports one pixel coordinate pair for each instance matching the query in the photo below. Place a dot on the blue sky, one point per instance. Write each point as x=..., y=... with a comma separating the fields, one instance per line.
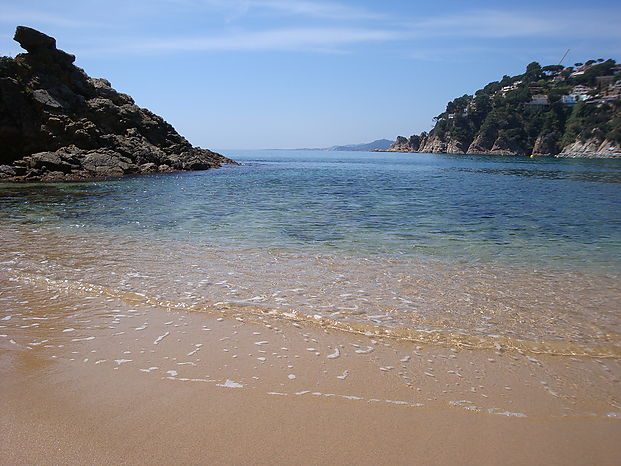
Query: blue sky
x=311, y=73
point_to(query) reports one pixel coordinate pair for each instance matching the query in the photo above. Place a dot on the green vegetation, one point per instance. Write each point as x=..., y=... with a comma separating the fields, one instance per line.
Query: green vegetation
x=540, y=111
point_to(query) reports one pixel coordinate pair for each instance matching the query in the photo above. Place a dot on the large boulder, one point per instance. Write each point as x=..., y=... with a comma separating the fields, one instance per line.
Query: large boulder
x=40, y=46
x=32, y=40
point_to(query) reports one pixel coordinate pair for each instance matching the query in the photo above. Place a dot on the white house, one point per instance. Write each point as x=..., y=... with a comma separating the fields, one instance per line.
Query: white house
x=581, y=90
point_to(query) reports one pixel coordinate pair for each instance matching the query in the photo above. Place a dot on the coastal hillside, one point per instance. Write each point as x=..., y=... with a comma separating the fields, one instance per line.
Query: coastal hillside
x=58, y=124
x=378, y=144
x=546, y=111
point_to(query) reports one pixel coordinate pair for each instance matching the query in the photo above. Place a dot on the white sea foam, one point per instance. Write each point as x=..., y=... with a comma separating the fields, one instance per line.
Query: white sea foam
x=505, y=413
x=533, y=360
x=150, y=369
x=334, y=355
x=230, y=384
x=160, y=338
x=194, y=351
x=394, y=402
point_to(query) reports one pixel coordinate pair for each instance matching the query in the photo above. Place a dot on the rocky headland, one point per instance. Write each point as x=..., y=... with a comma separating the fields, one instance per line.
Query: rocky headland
x=58, y=124
x=546, y=111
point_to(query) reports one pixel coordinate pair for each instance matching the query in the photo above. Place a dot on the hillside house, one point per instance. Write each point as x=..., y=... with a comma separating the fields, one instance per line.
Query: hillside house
x=581, y=89
x=580, y=70
x=538, y=102
x=613, y=90
x=506, y=89
x=569, y=100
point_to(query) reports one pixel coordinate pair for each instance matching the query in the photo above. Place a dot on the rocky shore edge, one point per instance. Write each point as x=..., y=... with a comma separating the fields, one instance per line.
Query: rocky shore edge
x=592, y=149
x=59, y=124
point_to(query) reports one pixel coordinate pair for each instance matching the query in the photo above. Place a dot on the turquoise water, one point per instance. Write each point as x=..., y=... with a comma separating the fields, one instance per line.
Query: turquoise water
x=457, y=250
x=542, y=213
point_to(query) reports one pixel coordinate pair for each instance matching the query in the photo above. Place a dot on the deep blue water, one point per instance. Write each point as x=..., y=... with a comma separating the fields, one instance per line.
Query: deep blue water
x=548, y=213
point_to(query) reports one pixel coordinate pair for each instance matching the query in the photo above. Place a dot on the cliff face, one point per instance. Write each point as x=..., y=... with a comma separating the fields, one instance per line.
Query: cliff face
x=58, y=124
x=402, y=144
x=592, y=148
x=547, y=111
x=435, y=144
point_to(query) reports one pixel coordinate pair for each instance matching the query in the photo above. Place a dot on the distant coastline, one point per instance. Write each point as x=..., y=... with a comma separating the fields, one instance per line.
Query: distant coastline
x=379, y=145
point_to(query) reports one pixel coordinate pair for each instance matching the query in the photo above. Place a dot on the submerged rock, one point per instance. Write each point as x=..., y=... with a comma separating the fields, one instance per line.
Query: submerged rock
x=58, y=124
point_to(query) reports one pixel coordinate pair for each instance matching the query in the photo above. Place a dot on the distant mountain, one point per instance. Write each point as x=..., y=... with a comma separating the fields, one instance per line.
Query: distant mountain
x=379, y=144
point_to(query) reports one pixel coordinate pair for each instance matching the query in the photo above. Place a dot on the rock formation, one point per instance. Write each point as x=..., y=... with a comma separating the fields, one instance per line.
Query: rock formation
x=592, y=149
x=57, y=124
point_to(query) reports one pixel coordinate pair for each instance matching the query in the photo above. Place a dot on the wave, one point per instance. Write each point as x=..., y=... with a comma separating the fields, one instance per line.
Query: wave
x=603, y=346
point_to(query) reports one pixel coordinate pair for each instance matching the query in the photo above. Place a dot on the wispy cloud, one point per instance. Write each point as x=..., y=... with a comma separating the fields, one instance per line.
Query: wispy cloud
x=304, y=8
x=27, y=17
x=326, y=26
x=515, y=24
x=330, y=10
x=316, y=39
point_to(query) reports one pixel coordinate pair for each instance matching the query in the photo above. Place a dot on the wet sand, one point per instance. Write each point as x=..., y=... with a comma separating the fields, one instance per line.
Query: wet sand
x=93, y=380
x=131, y=421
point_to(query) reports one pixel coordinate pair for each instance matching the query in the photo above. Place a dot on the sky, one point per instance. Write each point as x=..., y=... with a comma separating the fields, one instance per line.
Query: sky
x=252, y=74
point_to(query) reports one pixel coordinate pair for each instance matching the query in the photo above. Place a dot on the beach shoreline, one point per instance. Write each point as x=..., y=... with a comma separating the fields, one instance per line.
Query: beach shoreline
x=133, y=384
x=299, y=316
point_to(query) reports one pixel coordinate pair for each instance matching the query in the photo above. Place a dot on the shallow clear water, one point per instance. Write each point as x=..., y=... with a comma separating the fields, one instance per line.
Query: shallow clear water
x=460, y=250
x=560, y=214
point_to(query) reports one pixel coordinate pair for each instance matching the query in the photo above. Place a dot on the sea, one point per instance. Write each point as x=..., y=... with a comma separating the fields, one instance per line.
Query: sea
x=461, y=250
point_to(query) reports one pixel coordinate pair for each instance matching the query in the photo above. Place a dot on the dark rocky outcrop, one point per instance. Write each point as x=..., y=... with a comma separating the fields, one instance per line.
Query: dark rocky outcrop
x=58, y=124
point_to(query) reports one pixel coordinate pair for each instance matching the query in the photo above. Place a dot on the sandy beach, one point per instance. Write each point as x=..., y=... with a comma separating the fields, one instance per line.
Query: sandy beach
x=93, y=380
